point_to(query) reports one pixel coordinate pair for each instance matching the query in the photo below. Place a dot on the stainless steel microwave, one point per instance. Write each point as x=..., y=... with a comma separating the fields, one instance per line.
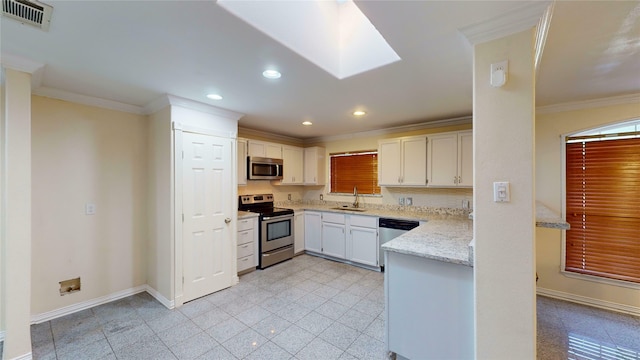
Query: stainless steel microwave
x=259, y=168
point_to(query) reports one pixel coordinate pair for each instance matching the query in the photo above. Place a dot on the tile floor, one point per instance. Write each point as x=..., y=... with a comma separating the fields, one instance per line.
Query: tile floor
x=306, y=308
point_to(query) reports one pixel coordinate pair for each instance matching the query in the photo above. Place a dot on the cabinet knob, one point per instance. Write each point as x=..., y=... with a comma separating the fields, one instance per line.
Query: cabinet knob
x=227, y=220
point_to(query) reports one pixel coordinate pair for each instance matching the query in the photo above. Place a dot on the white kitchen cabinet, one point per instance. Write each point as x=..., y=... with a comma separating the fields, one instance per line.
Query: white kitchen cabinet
x=292, y=162
x=247, y=244
x=362, y=240
x=403, y=161
x=242, y=161
x=313, y=231
x=299, y=220
x=264, y=149
x=450, y=159
x=314, y=166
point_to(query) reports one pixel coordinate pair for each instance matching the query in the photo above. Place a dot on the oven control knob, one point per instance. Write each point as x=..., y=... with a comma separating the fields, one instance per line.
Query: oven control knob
x=227, y=220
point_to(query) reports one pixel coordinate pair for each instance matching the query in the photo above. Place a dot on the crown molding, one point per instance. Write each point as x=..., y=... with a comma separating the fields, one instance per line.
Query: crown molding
x=87, y=100
x=588, y=104
x=519, y=19
x=267, y=135
x=18, y=63
x=464, y=120
x=166, y=100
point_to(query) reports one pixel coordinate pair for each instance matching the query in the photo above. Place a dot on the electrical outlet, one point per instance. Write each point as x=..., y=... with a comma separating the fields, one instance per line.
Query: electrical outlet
x=401, y=201
x=321, y=197
x=465, y=204
x=408, y=201
x=289, y=197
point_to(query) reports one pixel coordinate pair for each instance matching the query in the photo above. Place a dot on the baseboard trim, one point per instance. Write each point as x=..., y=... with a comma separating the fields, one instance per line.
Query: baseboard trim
x=50, y=315
x=27, y=356
x=169, y=304
x=607, y=305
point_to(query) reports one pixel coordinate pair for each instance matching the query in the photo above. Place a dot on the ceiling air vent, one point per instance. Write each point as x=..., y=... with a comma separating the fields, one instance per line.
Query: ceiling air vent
x=28, y=12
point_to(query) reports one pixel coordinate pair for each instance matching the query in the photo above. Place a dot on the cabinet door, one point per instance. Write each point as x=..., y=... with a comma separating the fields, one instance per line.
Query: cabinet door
x=333, y=240
x=389, y=162
x=314, y=166
x=363, y=245
x=298, y=228
x=313, y=231
x=442, y=160
x=414, y=161
x=292, y=158
x=242, y=162
x=273, y=151
x=465, y=158
x=257, y=148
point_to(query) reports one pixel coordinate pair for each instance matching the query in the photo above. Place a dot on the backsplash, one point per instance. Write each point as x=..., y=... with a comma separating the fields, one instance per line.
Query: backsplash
x=418, y=209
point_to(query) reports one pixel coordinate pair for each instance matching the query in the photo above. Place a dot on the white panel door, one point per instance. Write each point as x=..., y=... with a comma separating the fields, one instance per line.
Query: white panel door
x=208, y=209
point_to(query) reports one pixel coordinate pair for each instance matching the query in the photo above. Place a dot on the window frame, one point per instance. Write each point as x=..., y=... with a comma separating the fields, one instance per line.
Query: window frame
x=347, y=153
x=563, y=255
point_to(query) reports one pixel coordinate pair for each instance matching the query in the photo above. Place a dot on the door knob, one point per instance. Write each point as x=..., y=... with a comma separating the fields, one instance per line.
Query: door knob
x=227, y=220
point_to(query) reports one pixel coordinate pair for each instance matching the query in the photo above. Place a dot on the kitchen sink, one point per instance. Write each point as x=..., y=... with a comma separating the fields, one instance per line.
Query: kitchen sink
x=346, y=208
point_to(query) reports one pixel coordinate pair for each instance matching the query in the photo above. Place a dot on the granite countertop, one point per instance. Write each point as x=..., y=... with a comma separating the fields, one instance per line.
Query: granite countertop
x=546, y=218
x=247, y=215
x=394, y=212
x=447, y=240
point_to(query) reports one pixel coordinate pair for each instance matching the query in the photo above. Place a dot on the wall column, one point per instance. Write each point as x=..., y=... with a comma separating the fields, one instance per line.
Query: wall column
x=15, y=220
x=504, y=266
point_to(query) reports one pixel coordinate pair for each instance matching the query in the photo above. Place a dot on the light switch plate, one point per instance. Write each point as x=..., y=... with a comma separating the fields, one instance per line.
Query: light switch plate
x=501, y=192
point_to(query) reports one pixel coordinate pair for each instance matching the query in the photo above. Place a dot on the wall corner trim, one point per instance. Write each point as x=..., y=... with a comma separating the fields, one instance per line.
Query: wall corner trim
x=169, y=304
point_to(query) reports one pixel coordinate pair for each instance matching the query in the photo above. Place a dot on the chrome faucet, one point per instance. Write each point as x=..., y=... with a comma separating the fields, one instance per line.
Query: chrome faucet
x=355, y=193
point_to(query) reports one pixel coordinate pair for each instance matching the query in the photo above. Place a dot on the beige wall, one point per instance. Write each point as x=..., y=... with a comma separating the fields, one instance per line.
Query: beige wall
x=83, y=154
x=421, y=196
x=160, y=251
x=549, y=129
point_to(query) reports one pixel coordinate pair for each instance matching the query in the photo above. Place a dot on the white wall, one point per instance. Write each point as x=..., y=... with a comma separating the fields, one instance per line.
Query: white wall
x=160, y=249
x=83, y=154
x=504, y=264
x=549, y=162
x=16, y=217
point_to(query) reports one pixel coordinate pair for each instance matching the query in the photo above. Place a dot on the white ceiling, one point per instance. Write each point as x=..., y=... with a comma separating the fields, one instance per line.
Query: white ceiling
x=133, y=52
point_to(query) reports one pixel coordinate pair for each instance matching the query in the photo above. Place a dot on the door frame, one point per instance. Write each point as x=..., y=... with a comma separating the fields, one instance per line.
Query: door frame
x=176, y=188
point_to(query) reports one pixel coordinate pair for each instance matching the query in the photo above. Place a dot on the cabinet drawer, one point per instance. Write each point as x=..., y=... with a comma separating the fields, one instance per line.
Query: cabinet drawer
x=245, y=224
x=245, y=250
x=245, y=263
x=364, y=221
x=245, y=236
x=333, y=218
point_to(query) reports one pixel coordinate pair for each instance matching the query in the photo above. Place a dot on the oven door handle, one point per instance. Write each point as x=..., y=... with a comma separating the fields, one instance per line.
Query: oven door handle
x=278, y=217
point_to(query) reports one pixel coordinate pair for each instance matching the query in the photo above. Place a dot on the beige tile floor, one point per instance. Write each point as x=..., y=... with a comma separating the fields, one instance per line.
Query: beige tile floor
x=305, y=308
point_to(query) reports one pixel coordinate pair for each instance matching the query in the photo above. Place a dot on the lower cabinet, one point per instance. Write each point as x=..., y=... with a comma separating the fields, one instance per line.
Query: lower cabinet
x=298, y=231
x=247, y=245
x=343, y=236
x=313, y=231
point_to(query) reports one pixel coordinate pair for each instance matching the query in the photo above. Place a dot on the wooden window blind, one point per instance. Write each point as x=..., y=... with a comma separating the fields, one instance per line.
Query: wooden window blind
x=358, y=169
x=603, y=208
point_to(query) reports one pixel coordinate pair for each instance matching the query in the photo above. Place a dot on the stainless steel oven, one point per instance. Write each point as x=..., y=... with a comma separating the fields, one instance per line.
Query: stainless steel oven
x=276, y=235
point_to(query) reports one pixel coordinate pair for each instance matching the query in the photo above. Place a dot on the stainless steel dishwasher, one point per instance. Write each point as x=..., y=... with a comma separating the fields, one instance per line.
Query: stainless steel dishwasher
x=390, y=229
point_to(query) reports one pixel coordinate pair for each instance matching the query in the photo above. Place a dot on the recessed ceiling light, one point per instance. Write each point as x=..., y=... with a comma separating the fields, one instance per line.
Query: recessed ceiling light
x=271, y=74
x=214, y=97
x=307, y=123
x=359, y=113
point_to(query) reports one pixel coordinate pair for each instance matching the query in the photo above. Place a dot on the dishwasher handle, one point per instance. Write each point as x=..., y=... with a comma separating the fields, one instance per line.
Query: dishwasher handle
x=397, y=224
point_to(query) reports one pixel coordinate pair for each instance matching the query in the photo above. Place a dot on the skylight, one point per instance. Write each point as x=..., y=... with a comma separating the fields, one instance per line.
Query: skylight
x=336, y=36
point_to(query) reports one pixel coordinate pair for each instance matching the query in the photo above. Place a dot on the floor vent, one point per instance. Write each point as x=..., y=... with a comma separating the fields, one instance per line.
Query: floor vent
x=32, y=13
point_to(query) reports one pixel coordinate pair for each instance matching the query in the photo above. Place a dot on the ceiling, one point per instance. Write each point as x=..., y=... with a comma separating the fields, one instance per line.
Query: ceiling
x=133, y=52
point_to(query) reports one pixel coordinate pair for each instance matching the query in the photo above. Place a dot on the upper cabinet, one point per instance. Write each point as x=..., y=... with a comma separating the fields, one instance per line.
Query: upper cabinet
x=314, y=166
x=450, y=160
x=292, y=160
x=265, y=149
x=242, y=161
x=403, y=161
